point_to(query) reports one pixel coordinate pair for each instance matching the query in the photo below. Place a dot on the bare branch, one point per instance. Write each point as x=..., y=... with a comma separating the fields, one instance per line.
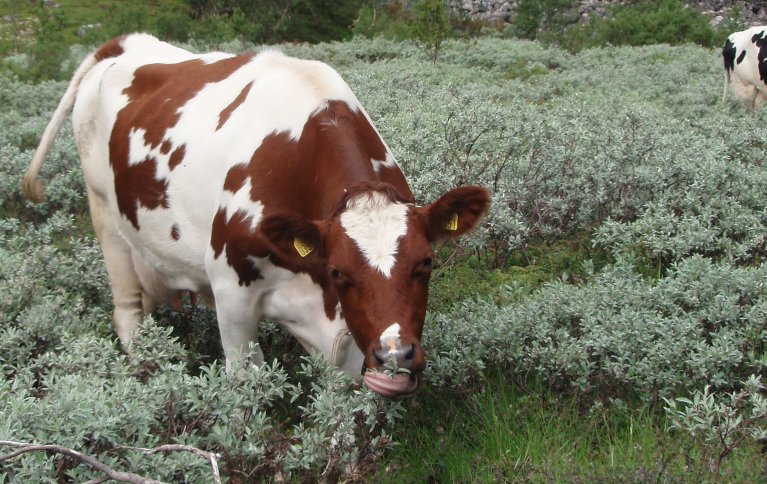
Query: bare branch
x=108, y=471
x=84, y=458
x=210, y=456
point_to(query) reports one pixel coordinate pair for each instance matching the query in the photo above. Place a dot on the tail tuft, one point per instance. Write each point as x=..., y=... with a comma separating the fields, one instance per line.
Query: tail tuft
x=33, y=188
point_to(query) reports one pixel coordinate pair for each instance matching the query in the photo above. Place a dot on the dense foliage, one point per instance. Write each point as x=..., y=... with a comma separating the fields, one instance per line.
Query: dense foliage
x=624, y=151
x=637, y=22
x=42, y=29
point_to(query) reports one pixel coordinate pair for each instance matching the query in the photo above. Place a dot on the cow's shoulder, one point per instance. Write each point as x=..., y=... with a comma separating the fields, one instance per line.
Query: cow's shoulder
x=312, y=80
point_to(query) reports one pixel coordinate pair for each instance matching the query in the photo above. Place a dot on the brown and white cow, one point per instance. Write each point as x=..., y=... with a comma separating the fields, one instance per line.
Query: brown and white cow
x=745, y=61
x=259, y=181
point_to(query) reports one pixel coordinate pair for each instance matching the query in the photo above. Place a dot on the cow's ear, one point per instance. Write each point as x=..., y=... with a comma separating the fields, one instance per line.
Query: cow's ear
x=291, y=238
x=456, y=212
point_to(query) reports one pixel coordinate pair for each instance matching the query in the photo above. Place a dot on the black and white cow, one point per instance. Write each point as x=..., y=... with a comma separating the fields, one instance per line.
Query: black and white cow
x=745, y=55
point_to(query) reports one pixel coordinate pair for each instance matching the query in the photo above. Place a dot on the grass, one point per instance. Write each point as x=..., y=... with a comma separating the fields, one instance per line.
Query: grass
x=500, y=432
x=77, y=13
x=539, y=262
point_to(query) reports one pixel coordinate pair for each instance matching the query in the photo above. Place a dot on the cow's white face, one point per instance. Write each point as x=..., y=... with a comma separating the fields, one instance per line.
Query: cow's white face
x=374, y=257
x=376, y=225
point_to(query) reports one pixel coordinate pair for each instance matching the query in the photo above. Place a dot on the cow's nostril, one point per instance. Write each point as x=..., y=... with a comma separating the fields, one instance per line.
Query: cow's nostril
x=403, y=357
x=410, y=354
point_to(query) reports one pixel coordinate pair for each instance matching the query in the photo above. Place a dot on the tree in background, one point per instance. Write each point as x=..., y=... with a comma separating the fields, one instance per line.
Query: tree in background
x=270, y=21
x=387, y=18
x=49, y=50
x=535, y=16
x=14, y=25
x=431, y=25
x=427, y=21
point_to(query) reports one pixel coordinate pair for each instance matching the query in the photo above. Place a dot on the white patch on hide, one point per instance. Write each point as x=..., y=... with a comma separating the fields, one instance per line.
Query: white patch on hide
x=241, y=201
x=389, y=162
x=376, y=224
x=390, y=337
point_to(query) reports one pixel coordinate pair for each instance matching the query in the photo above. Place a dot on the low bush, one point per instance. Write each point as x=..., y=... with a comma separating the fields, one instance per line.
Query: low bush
x=720, y=424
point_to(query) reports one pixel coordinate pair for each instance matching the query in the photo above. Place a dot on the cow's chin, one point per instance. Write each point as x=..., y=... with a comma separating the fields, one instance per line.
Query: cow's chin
x=390, y=386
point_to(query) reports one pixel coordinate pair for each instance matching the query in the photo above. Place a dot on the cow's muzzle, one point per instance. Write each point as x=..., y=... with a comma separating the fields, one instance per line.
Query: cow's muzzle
x=396, y=385
x=393, y=370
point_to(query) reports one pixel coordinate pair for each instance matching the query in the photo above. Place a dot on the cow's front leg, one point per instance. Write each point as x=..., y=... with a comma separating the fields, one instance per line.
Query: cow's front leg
x=238, y=317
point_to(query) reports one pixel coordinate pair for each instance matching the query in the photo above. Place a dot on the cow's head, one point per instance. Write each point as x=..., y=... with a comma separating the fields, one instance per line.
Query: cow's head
x=374, y=254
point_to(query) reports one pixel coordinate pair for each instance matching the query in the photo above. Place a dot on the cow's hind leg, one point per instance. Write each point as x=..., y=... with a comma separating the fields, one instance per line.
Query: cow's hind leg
x=759, y=99
x=126, y=287
x=154, y=290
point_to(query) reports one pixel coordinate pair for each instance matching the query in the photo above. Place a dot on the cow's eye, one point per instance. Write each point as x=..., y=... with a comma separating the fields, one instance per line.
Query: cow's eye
x=422, y=270
x=340, y=279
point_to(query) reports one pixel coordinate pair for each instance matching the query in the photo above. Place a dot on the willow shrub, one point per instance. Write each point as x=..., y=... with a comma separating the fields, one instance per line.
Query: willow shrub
x=628, y=146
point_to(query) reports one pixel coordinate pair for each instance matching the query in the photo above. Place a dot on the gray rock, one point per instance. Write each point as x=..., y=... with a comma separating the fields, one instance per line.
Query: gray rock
x=83, y=30
x=751, y=12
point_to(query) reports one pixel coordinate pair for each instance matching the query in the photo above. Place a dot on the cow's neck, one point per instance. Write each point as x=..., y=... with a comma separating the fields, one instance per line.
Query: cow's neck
x=337, y=151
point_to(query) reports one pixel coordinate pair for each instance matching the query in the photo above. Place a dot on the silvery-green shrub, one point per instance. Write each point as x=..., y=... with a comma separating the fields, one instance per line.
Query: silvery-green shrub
x=721, y=423
x=627, y=148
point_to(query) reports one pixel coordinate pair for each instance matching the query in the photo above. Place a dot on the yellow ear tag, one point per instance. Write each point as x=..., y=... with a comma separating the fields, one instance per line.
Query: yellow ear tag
x=453, y=223
x=302, y=247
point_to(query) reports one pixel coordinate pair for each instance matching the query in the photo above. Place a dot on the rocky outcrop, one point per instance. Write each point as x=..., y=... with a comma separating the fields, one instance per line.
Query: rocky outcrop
x=493, y=11
x=752, y=12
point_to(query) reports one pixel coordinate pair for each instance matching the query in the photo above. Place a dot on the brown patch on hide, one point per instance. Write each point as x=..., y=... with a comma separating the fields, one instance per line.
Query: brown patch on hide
x=156, y=96
x=175, y=232
x=236, y=238
x=111, y=48
x=176, y=157
x=226, y=113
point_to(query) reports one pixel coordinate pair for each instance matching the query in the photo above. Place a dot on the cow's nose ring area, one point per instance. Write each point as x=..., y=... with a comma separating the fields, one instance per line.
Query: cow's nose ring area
x=403, y=356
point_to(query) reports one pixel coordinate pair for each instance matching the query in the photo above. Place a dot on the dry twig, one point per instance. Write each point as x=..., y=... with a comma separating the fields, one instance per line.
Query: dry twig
x=109, y=472
x=210, y=456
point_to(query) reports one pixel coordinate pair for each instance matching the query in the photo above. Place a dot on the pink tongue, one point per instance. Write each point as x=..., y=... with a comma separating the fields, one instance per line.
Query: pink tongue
x=389, y=386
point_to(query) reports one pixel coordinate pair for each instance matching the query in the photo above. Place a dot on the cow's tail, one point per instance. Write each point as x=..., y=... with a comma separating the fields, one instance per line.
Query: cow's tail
x=728, y=56
x=30, y=185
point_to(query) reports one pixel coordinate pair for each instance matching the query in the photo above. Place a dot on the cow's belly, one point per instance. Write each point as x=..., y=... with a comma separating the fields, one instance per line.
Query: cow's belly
x=170, y=246
x=172, y=238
